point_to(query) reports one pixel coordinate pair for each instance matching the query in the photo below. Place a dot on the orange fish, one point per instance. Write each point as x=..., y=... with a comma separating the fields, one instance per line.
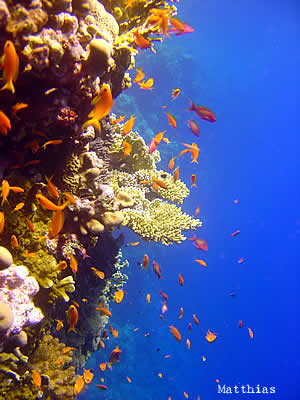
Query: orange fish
x=197, y=211
x=139, y=76
x=203, y=358
x=133, y=244
x=175, y=93
x=196, y=320
x=127, y=148
x=5, y=191
x=72, y=316
x=236, y=233
x=127, y=127
x=48, y=203
x=75, y=303
x=115, y=333
x=70, y=198
x=67, y=349
x=171, y=164
x=84, y=300
x=5, y=124
x=178, y=25
x=103, y=104
x=18, y=207
x=159, y=183
x=79, y=385
x=52, y=188
x=31, y=255
x=188, y=344
x=140, y=41
x=115, y=355
x=158, y=137
x=250, y=333
x=17, y=107
x=128, y=379
x=104, y=311
x=201, y=262
x=210, y=337
x=202, y=112
x=102, y=344
x=148, y=297
x=37, y=379
x=52, y=142
x=185, y=395
x=119, y=295
x=148, y=85
x=102, y=367
x=181, y=313
x=14, y=241
x=10, y=62
x=57, y=223
x=194, y=149
x=172, y=120
x=176, y=174
x=145, y=261
x=166, y=140
x=180, y=280
x=59, y=361
x=175, y=333
x=62, y=265
x=100, y=274
x=87, y=376
x=73, y=264
x=2, y=222
x=117, y=120
x=159, y=18
x=159, y=375
x=193, y=180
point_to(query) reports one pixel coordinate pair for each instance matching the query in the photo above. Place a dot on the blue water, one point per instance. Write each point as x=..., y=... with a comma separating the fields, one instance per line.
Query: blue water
x=243, y=62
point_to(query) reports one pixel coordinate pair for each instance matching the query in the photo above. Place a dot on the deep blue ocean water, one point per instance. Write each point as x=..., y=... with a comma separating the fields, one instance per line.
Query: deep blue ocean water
x=243, y=62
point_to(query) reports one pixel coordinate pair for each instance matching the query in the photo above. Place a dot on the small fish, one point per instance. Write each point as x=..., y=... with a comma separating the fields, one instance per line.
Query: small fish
x=250, y=333
x=159, y=375
x=14, y=241
x=57, y=223
x=127, y=127
x=159, y=136
x=98, y=273
x=148, y=298
x=189, y=327
x=175, y=333
x=145, y=261
x=197, y=211
x=203, y=358
x=117, y=120
x=128, y=379
x=236, y=233
x=79, y=385
x=72, y=317
x=140, y=41
x=115, y=333
x=73, y=264
x=5, y=125
x=148, y=85
x=177, y=24
x=70, y=198
x=48, y=203
x=52, y=190
x=10, y=62
x=171, y=164
x=180, y=280
x=176, y=174
x=235, y=201
x=75, y=303
x=199, y=243
x=164, y=296
x=17, y=107
x=102, y=106
x=193, y=180
x=175, y=93
x=172, y=120
x=30, y=255
x=240, y=323
x=167, y=356
x=118, y=296
x=180, y=313
x=102, y=367
x=52, y=142
x=152, y=146
x=87, y=376
x=62, y=265
x=159, y=183
x=127, y=148
x=193, y=149
x=115, y=355
x=202, y=112
x=187, y=29
x=164, y=307
x=2, y=222
x=194, y=127
x=84, y=300
x=159, y=17
x=104, y=311
x=18, y=207
x=156, y=269
x=166, y=140
x=102, y=387
x=201, y=262
x=210, y=336
x=136, y=329
x=188, y=344
x=196, y=320
x=133, y=244
x=49, y=91
x=67, y=349
x=241, y=260
x=37, y=379
x=139, y=76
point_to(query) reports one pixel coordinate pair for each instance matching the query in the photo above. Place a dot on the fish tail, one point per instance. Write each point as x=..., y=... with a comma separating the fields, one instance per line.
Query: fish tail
x=94, y=122
x=192, y=106
x=9, y=86
x=72, y=329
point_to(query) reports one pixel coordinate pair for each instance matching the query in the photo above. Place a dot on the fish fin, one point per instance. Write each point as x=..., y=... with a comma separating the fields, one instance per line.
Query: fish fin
x=9, y=86
x=192, y=106
x=72, y=329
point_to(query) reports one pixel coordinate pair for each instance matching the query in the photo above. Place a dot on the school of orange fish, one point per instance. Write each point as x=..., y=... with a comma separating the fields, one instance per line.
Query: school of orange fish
x=102, y=105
